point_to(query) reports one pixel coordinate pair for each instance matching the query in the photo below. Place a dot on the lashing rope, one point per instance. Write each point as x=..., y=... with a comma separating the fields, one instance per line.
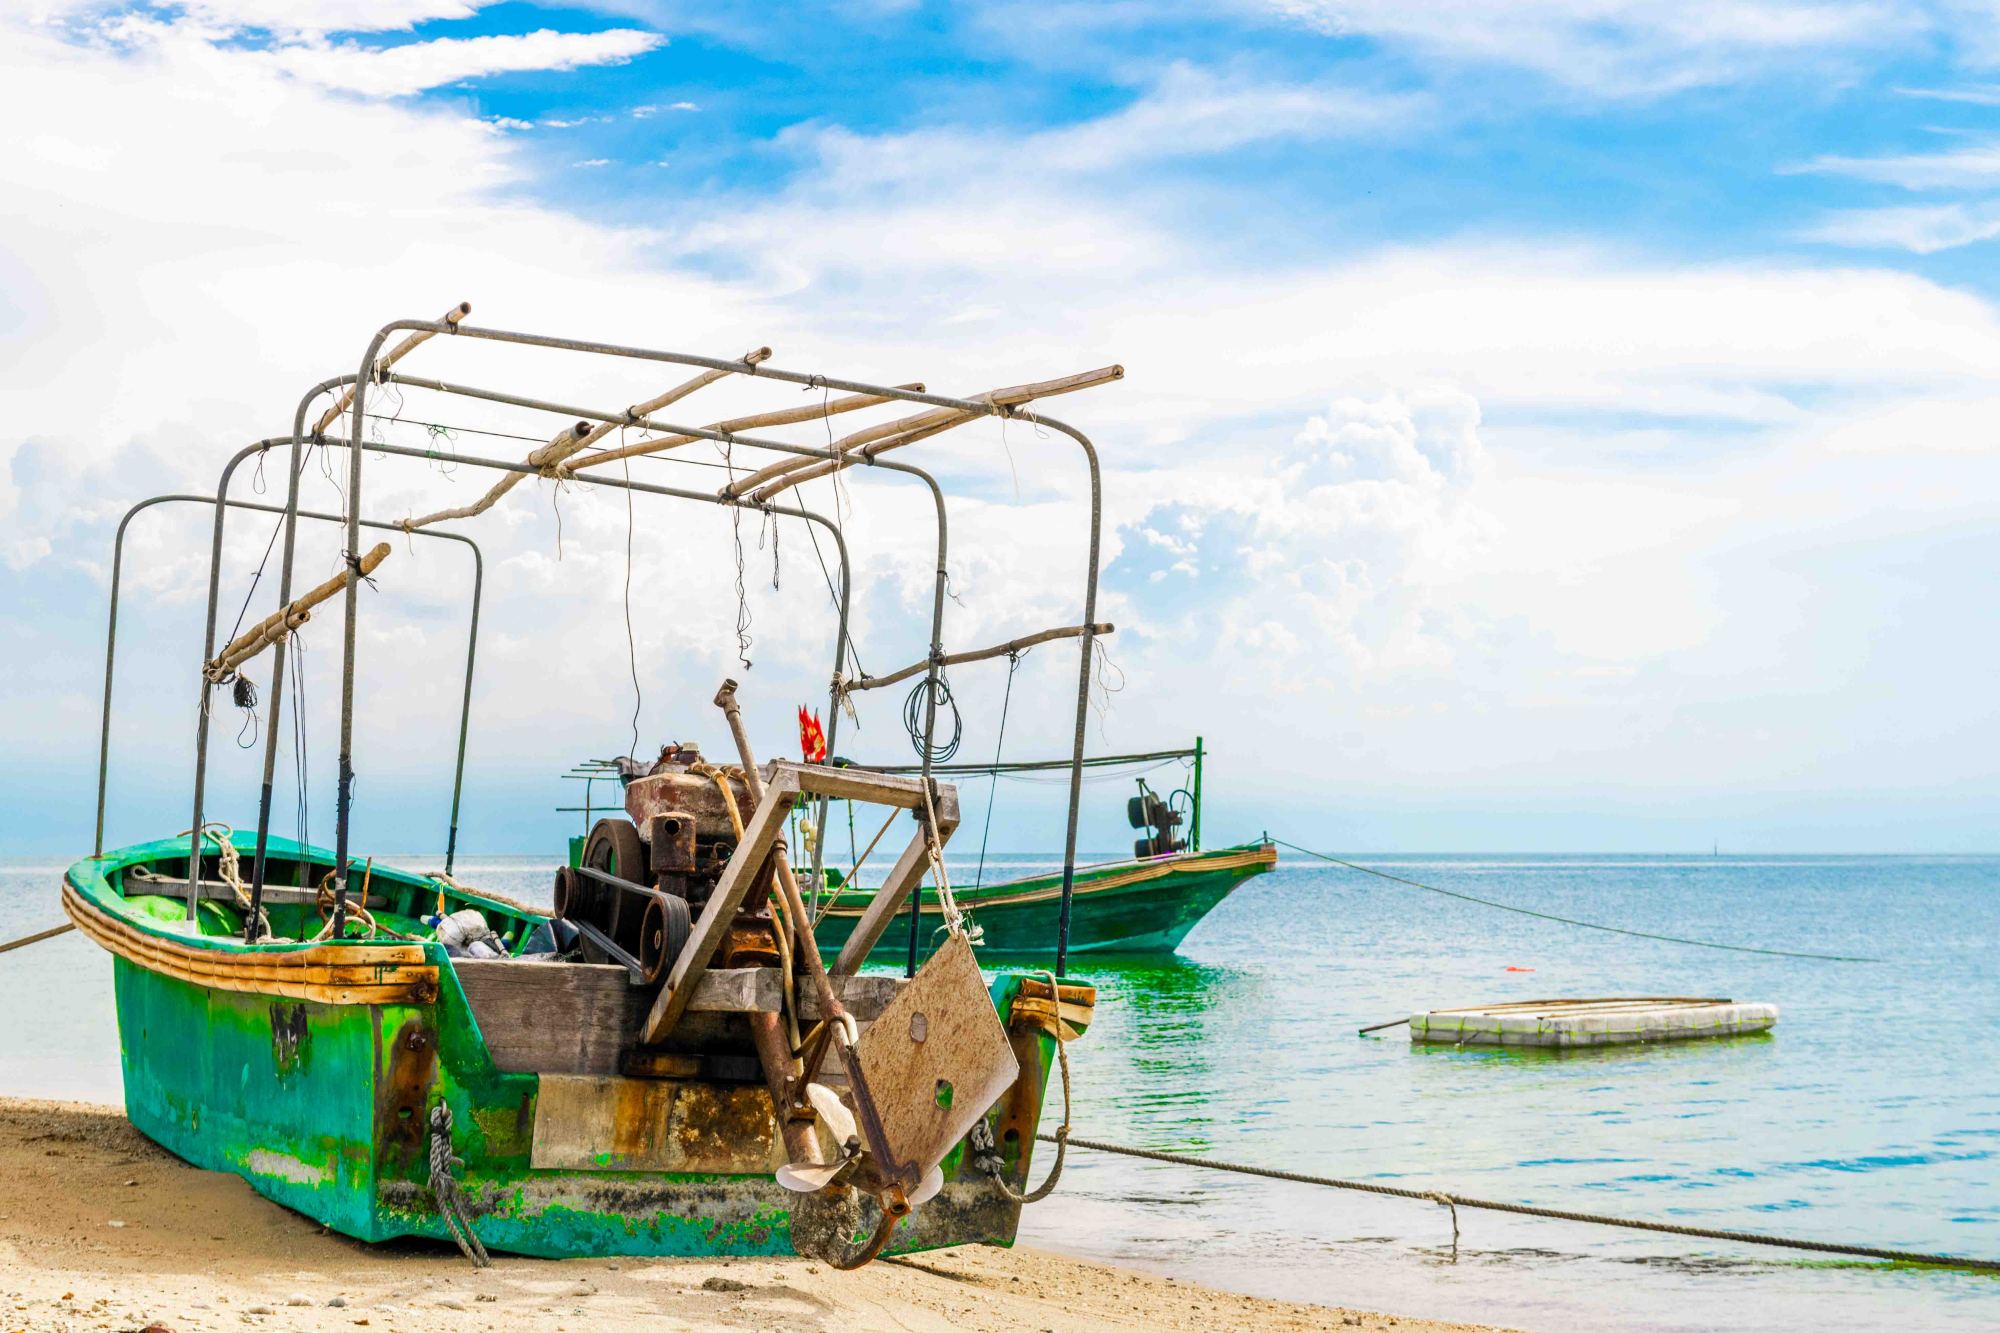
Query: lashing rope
x=450, y=1199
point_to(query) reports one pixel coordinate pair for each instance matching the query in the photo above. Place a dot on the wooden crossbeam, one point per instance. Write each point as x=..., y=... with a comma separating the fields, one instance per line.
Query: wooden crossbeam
x=745, y=865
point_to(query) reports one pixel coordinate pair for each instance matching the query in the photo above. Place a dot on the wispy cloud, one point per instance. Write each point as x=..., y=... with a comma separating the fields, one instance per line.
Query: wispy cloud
x=654, y=108
x=1919, y=229
x=1974, y=165
x=399, y=71
x=1622, y=47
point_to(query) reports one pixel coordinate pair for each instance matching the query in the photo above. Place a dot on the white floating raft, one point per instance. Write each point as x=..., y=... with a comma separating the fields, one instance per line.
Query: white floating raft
x=1616, y=1021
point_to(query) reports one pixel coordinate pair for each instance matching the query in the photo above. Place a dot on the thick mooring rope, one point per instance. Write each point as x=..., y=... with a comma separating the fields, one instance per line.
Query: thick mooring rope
x=450, y=1199
x=1570, y=921
x=1457, y=1201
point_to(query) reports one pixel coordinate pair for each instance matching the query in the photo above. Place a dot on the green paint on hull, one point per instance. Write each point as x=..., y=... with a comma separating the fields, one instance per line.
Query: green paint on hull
x=1114, y=911
x=324, y=1108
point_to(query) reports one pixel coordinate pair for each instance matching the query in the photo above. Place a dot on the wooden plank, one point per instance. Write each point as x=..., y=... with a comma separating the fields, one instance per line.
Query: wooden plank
x=572, y=1018
x=854, y=784
x=738, y=990
x=765, y=827
x=935, y=1062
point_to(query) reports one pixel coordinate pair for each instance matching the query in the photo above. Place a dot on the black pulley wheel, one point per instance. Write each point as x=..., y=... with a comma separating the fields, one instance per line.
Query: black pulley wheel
x=663, y=935
x=614, y=846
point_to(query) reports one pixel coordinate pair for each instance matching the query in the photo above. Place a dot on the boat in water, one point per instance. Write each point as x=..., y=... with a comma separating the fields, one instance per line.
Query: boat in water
x=1144, y=905
x=661, y=1062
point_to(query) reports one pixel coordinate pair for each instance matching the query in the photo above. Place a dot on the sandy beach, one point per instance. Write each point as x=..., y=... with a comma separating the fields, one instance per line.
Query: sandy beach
x=101, y=1229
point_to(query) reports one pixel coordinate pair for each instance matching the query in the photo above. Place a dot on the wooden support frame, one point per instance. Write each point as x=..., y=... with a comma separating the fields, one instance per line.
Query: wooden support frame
x=786, y=785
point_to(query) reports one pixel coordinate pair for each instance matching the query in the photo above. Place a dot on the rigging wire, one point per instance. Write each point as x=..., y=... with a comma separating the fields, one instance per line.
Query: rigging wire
x=993, y=787
x=1572, y=921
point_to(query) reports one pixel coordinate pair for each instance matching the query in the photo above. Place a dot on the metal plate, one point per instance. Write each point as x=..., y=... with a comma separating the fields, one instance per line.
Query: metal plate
x=934, y=1062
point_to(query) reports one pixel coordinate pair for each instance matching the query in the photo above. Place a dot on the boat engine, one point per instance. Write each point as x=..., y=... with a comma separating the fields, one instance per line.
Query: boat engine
x=641, y=880
x=1158, y=818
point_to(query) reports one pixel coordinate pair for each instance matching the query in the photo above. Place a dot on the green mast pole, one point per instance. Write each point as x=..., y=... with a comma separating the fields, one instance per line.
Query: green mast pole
x=1194, y=827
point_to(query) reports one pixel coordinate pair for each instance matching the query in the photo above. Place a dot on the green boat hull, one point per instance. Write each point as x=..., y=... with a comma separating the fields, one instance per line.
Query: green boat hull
x=324, y=1107
x=1124, y=907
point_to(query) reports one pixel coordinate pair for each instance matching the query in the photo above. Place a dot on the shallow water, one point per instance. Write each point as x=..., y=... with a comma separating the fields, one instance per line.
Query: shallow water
x=1871, y=1116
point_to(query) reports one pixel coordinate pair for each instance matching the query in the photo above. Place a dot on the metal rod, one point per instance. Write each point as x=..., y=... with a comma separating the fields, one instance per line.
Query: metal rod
x=1085, y=642
x=464, y=709
x=275, y=704
x=1194, y=816
x=724, y=497
x=117, y=579
x=345, y=792
x=195, y=835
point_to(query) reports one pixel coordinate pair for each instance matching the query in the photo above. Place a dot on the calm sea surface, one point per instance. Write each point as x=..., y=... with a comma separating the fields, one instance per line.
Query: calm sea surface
x=1871, y=1116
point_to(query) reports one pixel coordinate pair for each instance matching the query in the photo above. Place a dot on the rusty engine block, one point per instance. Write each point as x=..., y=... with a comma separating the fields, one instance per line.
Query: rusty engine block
x=642, y=879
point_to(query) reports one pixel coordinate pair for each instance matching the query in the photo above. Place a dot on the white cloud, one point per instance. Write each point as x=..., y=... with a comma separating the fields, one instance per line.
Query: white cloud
x=1974, y=165
x=1624, y=47
x=652, y=109
x=1920, y=229
x=399, y=71
x=1410, y=478
x=299, y=17
x=593, y=162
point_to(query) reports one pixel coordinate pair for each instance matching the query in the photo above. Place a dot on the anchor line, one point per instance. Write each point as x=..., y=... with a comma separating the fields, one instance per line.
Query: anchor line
x=1452, y=1200
x=1572, y=921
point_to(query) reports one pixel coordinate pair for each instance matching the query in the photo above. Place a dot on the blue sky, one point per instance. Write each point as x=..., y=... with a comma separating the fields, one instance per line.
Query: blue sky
x=1557, y=424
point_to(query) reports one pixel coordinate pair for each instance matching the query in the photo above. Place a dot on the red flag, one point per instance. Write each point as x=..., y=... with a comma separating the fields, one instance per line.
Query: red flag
x=812, y=736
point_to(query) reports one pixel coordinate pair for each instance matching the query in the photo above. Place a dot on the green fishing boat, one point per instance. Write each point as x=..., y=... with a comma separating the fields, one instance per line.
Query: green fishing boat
x=1147, y=904
x=662, y=1062
x=1144, y=906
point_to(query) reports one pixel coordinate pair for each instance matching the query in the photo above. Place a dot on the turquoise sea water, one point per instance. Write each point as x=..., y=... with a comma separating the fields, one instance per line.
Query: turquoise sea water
x=1871, y=1116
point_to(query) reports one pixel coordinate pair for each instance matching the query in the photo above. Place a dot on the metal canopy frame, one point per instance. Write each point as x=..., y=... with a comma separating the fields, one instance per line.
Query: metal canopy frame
x=111, y=638
x=374, y=369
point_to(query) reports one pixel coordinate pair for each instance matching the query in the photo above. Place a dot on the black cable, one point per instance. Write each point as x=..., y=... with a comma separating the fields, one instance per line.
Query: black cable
x=915, y=706
x=1572, y=921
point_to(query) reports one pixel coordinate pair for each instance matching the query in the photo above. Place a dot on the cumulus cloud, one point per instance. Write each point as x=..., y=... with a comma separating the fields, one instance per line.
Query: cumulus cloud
x=1436, y=509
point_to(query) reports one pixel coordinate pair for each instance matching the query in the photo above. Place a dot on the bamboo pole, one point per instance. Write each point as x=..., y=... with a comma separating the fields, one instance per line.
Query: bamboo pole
x=1021, y=644
x=825, y=467
x=557, y=449
x=786, y=417
x=578, y=436
x=287, y=618
x=924, y=424
x=390, y=358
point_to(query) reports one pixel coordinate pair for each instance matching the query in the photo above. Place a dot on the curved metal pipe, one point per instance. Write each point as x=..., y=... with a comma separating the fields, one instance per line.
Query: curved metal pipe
x=111, y=633
x=1086, y=641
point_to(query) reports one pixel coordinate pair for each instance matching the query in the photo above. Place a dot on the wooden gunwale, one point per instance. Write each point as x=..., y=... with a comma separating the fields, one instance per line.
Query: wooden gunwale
x=326, y=973
x=1143, y=872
